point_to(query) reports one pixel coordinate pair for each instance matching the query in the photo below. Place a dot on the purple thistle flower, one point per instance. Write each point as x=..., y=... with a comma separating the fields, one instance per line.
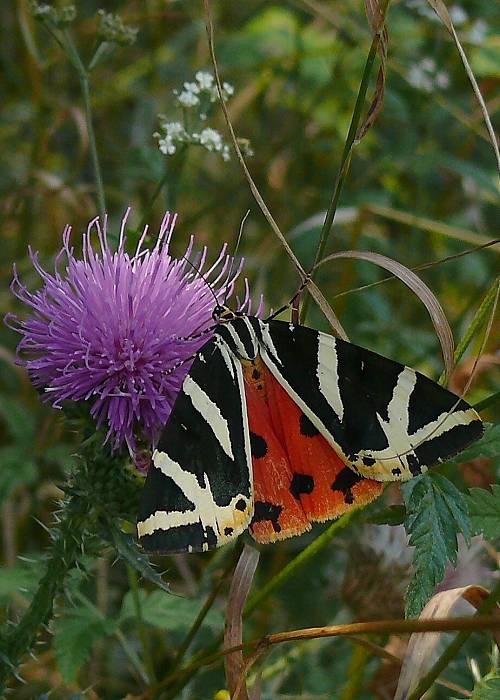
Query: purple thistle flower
x=120, y=330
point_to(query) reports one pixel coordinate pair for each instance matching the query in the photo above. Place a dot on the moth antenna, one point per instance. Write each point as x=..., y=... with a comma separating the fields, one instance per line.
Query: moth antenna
x=238, y=241
x=292, y=300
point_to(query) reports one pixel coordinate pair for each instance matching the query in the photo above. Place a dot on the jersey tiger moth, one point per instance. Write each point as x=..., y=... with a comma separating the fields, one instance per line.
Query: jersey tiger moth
x=278, y=426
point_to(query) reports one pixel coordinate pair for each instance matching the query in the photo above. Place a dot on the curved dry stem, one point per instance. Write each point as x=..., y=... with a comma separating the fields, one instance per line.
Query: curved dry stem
x=418, y=286
x=304, y=277
x=240, y=586
x=442, y=12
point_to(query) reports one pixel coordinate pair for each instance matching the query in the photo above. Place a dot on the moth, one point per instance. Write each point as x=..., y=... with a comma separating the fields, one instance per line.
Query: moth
x=278, y=426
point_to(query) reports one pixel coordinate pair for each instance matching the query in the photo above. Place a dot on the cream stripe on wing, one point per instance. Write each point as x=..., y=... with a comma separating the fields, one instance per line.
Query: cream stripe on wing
x=327, y=372
x=211, y=414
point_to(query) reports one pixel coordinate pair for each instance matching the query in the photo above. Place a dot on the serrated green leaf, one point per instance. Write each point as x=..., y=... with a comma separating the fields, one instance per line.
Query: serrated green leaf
x=487, y=689
x=19, y=420
x=169, y=612
x=487, y=446
x=74, y=636
x=484, y=511
x=15, y=468
x=436, y=514
x=130, y=551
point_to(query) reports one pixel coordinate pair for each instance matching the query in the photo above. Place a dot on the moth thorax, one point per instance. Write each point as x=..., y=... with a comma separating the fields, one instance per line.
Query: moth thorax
x=254, y=373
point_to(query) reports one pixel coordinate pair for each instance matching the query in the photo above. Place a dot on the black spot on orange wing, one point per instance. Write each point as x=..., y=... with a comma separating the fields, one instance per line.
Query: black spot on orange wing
x=241, y=505
x=265, y=511
x=344, y=482
x=255, y=374
x=314, y=463
x=277, y=514
x=369, y=461
x=306, y=427
x=300, y=484
x=258, y=446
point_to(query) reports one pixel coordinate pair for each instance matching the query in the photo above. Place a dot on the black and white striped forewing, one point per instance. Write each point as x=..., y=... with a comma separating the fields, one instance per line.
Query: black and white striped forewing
x=198, y=492
x=388, y=421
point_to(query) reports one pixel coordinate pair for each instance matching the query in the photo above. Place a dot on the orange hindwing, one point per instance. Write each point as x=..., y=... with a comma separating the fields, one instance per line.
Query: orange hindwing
x=298, y=477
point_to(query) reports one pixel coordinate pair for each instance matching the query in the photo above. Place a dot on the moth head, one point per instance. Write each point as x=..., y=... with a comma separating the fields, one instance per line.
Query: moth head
x=223, y=314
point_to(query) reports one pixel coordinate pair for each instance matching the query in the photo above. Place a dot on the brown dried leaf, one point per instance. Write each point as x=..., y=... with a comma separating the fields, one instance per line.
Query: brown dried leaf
x=234, y=663
x=418, y=286
x=421, y=651
x=375, y=11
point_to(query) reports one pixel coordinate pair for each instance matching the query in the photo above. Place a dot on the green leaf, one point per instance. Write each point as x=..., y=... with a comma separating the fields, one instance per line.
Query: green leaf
x=169, y=612
x=436, y=513
x=392, y=515
x=130, y=551
x=19, y=420
x=484, y=511
x=21, y=578
x=15, y=468
x=75, y=634
x=487, y=688
x=487, y=446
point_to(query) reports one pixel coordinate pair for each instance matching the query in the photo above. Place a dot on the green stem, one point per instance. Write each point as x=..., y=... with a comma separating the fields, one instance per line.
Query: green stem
x=452, y=650
x=479, y=319
x=132, y=656
x=15, y=642
x=355, y=673
x=205, y=609
x=176, y=166
x=346, y=156
x=83, y=75
x=141, y=630
x=487, y=402
x=300, y=561
x=181, y=676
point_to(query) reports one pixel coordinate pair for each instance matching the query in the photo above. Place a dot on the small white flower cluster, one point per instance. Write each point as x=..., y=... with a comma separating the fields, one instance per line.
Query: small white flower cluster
x=201, y=92
x=212, y=140
x=192, y=93
x=425, y=76
x=173, y=133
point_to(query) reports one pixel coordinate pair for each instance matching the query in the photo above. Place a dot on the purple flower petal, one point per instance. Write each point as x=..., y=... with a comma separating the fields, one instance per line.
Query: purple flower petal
x=120, y=330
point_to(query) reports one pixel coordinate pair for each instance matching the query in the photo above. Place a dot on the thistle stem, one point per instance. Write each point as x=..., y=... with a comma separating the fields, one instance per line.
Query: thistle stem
x=15, y=642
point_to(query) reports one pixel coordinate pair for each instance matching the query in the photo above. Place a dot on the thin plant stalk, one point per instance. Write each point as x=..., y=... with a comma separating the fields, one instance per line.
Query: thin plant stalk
x=171, y=178
x=83, y=76
x=300, y=561
x=478, y=321
x=346, y=154
x=141, y=629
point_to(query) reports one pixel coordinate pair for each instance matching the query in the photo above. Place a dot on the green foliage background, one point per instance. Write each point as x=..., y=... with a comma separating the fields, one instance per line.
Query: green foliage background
x=422, y=186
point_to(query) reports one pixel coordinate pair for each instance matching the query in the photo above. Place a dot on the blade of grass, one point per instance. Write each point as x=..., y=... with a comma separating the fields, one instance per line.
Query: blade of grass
x=455, y=232
x=442, y=12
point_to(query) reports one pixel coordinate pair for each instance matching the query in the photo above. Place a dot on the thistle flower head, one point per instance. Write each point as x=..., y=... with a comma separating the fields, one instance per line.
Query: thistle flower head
x=120, y=330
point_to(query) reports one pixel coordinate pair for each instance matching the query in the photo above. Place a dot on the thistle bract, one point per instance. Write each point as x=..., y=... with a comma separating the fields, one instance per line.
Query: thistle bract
x=120, y=330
